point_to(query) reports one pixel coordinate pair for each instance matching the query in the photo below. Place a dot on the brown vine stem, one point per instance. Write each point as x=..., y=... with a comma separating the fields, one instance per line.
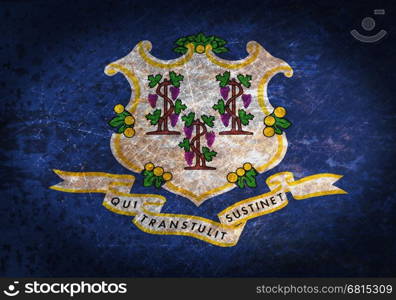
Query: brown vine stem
x=200, y=162
x=235, y=120
x=162, y=128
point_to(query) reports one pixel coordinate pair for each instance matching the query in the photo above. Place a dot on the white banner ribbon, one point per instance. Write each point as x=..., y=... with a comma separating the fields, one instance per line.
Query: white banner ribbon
x=146, y=208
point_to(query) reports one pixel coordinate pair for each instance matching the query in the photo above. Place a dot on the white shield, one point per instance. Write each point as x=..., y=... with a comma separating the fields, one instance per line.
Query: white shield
x=199, y=91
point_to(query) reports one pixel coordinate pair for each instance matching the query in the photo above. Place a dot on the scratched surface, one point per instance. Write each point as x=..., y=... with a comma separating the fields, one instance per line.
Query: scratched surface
x=56, y=101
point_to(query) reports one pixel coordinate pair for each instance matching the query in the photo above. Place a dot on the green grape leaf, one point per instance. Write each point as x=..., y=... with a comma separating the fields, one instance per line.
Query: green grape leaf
x=154, y=117
x=223, y=79
x=220, y=50
x=158, y=180
x=209, y=40
x=208, y=120
x=181, y=50
x=148, y=179
x=179, y=106
x=185, y=144
x=125, y=113
x=244, y=80
x=154, y=80
x=220, y=106
x=117, y=121
x=282, y=123
x=189, y=119
x=251, y=182
x=277, y=130
x=220, y=41
x=175, y=78
x=200, y=38
x=146, y=173
x=181, y=41
x=122, y=128
x=208, y=154
x=251, y=172
x=251, y=178
x=240, y=182
x=244, y=117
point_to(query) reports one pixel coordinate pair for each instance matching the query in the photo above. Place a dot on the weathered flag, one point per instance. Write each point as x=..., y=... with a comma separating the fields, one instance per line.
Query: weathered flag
x=239, y=139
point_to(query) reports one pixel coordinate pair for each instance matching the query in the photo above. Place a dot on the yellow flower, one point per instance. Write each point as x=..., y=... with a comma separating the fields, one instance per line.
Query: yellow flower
x=280, y=112
x=149, y=166
x=119, y=108
x=129, y=132
x=167, y=176
x=269, y=131
x=129, y=120
x=269, y=120
x=232, y=177
x=240, y=172
x=158, y=171
x=200, y=49
x=247, y=166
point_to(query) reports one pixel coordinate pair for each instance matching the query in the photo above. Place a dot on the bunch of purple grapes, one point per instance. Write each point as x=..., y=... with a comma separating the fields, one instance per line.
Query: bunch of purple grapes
x=209, y=136
x=175, y=91
x=224, y=92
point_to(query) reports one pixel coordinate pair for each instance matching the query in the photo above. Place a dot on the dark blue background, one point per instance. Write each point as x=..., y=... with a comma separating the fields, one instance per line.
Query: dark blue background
x=56, y=100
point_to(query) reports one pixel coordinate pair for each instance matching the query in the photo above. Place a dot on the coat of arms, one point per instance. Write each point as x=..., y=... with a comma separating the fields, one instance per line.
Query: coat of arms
x=198, y=126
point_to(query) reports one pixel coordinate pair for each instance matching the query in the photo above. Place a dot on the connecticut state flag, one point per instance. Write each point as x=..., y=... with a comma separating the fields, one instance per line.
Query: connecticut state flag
x=186, y=139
